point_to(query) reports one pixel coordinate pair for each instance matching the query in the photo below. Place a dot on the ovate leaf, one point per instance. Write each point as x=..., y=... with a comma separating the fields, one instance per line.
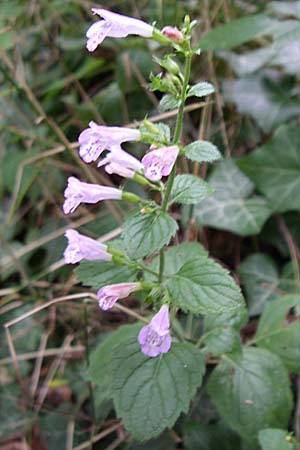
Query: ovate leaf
x=144, y=234
x=252, y=394
x=150, y=393
x=203, y=286
x=201, y=89
x=279, y=330
x=202, y=151
x=189, y=189
x=101, y=273
x=231, y=207
x=276, y=439
x=276, y=173
x=168, y=102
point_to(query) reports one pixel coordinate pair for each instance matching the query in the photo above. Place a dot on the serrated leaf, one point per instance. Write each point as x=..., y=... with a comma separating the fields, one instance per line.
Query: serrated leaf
x=168, y=102
x=203, y=286
x=237, y=32
x=277, y=439
x=201, y=89
x=279, y=332
x=202, y=151
x=101, y=357
x=189, y=189
x=230, y=208
x=101, y=273
x=144, y=234
x=150, y=393
x=260, y=277
x=252, y=394
x=276, y=173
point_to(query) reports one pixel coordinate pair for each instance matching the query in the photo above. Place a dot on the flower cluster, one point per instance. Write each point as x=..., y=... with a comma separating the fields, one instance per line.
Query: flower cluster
x=155, y=337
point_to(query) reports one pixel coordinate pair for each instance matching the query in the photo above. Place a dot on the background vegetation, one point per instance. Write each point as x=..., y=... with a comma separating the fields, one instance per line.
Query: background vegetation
x=50, y=89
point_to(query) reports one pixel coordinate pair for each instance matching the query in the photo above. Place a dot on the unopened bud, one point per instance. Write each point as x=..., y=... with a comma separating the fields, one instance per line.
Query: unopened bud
x=172, y=33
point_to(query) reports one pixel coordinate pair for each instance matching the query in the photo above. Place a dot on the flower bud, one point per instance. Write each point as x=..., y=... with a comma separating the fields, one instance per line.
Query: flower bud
x=172, y=33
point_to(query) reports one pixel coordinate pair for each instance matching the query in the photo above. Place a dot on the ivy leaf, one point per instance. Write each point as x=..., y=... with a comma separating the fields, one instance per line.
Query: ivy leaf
x=277, y=439
x=189, y=189
x=203, y=286
x=276, y=173
x=237, y=32
x=279, y=332
x=201, y=89
x=230, y=207
x=202, y=151
x=150, y=393
x=144, y=234
x=252, y=394
x=168, y=102
x=101, y=358
x=97, y=274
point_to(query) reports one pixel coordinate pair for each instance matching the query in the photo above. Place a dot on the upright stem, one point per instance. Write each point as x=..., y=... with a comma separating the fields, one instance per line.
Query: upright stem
x=177, y=133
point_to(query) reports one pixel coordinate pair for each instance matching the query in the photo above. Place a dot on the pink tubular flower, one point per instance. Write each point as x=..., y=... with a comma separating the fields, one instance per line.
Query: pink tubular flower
x=119, y=170
x=83, y=247
x=124, y=159
x=114, y=25
x=155, y=338
x=78, y=192
x=108, y=295
x=172, y=33
x=159, y=163
x=97, y=138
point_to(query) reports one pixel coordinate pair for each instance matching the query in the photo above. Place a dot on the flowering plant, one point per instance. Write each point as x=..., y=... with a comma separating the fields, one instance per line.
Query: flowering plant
x=152, y=371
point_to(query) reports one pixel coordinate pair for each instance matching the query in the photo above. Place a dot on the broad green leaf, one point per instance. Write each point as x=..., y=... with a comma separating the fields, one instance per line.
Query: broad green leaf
x=276, y=173
x=168, y=102
x=100, y=372
x=260, y=277
x=201, y=89
x=231, y=207
x=150, y=393
x=285, y=8
x=252, y=394
x=210, y=436
x=203, y=286
x=202, y=151
x=277, y=439
x=101, y=273
x=279, y=331
x=237, y=32
x=189, y=189
x=144, y=234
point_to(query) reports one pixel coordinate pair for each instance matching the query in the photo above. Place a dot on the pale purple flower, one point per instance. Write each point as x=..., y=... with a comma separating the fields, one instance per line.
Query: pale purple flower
x=158, y=163
x=78, y=192
x=108, y=295
x=119, y=170
x=83, y=247
x=114, y=25
x=155, y=338
x=124, y=159
x=97, y=138
x=172, y=33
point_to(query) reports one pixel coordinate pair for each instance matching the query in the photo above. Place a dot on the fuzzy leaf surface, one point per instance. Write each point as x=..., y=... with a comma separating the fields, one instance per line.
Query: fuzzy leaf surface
x=202, y=151
x=97, y=274
x=201, y=89
x=189, y=189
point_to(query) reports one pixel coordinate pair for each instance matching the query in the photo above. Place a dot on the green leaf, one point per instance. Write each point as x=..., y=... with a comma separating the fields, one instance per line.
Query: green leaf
x=252, y=394
x=201, y=89
x=101, y=273
x=210, y=436
x=237, y=32
x=189, y=189
x=168, y=102
x=276, y=173
x=202, y=151
x=144, y=234
x=285, y=8
x=150, y=393
x=260, y=277
x=230, y=207
x=101, y=358
x=279, y=331
x=203, y=286
x=277, y=439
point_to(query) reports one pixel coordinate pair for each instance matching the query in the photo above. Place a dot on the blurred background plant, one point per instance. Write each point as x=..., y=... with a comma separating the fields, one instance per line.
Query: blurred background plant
x=50, y=89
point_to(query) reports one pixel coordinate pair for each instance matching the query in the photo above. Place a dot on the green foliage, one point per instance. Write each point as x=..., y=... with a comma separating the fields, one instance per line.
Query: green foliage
x=202, y=151
x=253, y=393
x=201, y=89
x=168, y=102
x=101, y=273
x=276, y=439
x=231, y=207
x=188, y=189
x=150, y=393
